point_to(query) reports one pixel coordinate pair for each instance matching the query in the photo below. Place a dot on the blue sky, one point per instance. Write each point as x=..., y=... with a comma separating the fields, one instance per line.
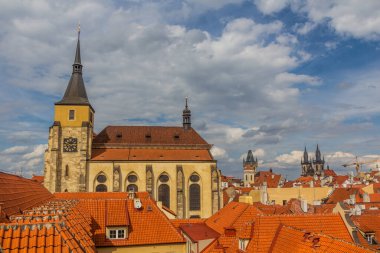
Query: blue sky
x=272, y=76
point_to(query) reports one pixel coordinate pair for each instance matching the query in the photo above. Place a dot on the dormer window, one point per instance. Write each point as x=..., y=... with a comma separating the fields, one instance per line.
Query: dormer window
x=119, y=135
x=116, y=232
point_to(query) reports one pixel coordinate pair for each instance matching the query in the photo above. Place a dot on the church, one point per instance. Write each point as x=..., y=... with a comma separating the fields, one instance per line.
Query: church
x=173, y=164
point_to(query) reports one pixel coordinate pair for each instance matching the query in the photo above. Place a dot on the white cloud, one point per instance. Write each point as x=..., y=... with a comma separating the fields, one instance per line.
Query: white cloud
x=294, y=158
x=14, y=150
x=218, y=152
x=259, y=152
x=37, y=151
x=350, y=17
x=293, y=78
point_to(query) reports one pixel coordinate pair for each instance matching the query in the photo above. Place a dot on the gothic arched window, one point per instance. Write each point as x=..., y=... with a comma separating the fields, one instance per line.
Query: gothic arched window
x=164, y=195
x=195, y=197
x=101, y=188
x=132, y=188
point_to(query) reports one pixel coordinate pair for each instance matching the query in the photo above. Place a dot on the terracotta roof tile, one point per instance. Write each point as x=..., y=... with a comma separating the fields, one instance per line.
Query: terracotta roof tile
x=198, y=231
x=266, y=226
x=147, y=225
x=18, y=193
x=146, y=154
x=341, y=194
x=289, y=239
x=139, y=135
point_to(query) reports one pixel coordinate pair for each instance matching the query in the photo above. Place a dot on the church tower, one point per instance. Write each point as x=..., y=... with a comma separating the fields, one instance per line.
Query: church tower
x=250, y=166
x=70, y=136
x=319, y=163
x=307, y=169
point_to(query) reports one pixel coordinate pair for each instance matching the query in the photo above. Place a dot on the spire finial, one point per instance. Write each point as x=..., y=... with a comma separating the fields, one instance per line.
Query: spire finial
x=186, y=98
x=186, y=116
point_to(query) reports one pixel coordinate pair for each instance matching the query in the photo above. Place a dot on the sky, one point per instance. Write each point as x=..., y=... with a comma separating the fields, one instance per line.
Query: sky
x=272, y=76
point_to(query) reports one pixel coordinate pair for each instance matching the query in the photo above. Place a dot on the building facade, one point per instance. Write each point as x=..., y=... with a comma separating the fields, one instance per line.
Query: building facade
x=250, y=165
x=173, y=164
x=312, y=167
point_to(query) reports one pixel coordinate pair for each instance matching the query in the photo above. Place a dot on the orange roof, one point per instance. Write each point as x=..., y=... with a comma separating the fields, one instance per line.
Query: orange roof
x=266, y=226
x=150, y=154
x=147, y=225
x=178, y=222
x=148, y=136
x=341, y=194
x=39, y=179
x=198, y=231
x=368, y=222
x=18, y=193
x=375, y=197
x=56, y=226
x=289, y=239
x=226, y=216
x=270, y=178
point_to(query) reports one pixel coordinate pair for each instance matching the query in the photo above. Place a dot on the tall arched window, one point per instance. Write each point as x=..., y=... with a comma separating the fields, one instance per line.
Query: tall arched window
x=100, y=182
x=195, y=197
x=101, y=188
x=164, y=195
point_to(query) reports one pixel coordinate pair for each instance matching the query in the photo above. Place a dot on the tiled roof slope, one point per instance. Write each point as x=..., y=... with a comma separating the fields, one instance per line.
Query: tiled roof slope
x=270, y=178
x=265, y=228
x=368, y=222
x=56, y=226
x=199, y=231
x=150, y=154
x=290, y=240
x=139, y=135
x=147, y=225
x=341, y=194
x=18, y=194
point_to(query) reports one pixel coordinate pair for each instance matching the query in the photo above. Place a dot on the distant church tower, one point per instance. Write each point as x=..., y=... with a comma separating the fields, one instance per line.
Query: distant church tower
x=250, y=165
x=70, y=137
x=307, y=169
x=312, y=167
x=319, y=163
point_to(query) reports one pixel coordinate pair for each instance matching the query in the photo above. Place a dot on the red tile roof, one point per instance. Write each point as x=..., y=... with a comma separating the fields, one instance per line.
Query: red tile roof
x=56, y=226
x=266, y=226
x=18, y=193
x=270, y=178
x=290, y=239
x=139, y=135
x=39, y=179
x=198, y=231
x=329, y=172
x=150, y=154
x=341, y=194
x=147, y=225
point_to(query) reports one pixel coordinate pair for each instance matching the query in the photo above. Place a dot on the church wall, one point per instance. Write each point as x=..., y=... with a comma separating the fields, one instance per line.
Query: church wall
x=203, y=169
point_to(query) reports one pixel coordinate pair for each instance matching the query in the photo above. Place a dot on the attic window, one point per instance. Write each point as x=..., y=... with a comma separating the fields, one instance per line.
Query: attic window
x=119, y=135
x=117, y=233
x=176, y=136
x=148, y=136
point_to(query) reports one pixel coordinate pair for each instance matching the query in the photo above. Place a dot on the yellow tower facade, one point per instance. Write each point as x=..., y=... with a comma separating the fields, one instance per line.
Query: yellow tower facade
x=70, y=137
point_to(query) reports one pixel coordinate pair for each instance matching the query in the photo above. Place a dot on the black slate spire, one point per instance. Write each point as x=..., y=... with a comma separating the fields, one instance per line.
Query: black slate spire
x=76, y=92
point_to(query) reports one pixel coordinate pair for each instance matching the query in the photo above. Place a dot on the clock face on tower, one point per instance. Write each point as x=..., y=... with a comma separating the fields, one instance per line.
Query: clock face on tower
x=70, y=144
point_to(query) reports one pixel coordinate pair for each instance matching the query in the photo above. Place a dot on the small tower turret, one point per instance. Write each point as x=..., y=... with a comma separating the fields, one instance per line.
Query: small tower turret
x=186, y=116
x=250, y=165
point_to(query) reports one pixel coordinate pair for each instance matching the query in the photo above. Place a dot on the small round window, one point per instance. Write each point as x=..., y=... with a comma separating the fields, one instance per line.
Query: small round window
x=132, y=178
x=101, y=178
x=164, y=178
x=194, y=178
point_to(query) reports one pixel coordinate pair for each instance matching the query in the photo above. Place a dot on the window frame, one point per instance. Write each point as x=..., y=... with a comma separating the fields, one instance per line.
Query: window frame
x=71, y=116
x=115, y=233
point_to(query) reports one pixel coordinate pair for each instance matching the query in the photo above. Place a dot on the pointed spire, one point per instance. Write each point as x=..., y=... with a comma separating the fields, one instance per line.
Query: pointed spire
x=76, y=92
x=186, y=116
x=305, y=156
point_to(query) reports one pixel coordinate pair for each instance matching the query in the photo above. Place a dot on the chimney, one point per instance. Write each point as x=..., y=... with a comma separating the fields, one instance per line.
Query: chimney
x=230, y=231
x=304, y=205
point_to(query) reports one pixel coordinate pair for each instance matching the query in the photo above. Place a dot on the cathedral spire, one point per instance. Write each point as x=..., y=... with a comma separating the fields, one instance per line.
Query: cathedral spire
x=76, y=92
x=186, y=115
x=305, y=156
